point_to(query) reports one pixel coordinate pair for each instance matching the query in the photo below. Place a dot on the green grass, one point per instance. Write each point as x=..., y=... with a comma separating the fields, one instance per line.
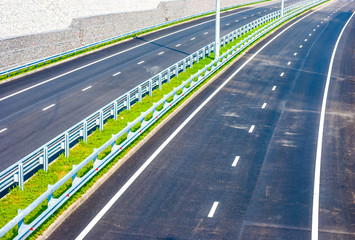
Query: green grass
x=37, y=185
x=21, y=71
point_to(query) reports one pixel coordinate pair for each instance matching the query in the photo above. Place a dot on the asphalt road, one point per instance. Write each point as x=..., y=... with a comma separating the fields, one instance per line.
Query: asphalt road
x=25, y=126
x=268, y=116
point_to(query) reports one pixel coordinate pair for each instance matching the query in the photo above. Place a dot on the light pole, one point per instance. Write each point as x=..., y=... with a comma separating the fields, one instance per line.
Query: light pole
x=218, y=6
x=282, y=8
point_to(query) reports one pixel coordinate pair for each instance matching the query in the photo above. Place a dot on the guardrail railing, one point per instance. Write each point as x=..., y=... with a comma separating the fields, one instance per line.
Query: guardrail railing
x=40, y=158
x=176, y=95
x=51, y=59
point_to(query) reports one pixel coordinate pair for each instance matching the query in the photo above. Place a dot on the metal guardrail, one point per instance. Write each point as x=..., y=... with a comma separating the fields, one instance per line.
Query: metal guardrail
x=111, y=40
x=18, y=172
x=186, y=87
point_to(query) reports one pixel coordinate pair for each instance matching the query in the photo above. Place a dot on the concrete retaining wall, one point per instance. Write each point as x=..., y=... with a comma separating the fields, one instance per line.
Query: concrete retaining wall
x=82, y=31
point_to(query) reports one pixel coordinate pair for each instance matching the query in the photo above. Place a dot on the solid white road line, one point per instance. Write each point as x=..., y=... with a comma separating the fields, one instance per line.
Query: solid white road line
x=115, y=54
x=160, y=53
x=213, y=209
x=178, y=45
x=235, y=162
x=315, y=211
x=264, y=105
x=273, y=88
x=251, y=128
x=116, y=74
x=83, y=90
x=282, y=74
x=3, y=130
x=46, y=108
x=102, y=212
x=140, y=62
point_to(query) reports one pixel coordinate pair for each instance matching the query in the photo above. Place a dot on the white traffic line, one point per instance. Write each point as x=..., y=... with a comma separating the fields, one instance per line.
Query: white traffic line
x=178, y=45
x=315, y=210
x=140, y=62
x=193, y=38
x=236, y=20
x=259, y=12
x=282, y=74
x=213, y=209
x=206, y=33
x=235, y=162
x=321, y=22
x=306, y=40
x=314, y=30
x=3, y=130
x=273, y=88
x=317, y=26
x=295, y=54
x=264, y=105
x=160, y=53
x=83, y=90
x=46, y=108
x=227, y=24
x=115, y=54
x=117, y=73
x=252, y=15
x=251, y=128
x=310, y=34
x=288, y=63
x=112, y=201
x=301, y=46
x=245, y=18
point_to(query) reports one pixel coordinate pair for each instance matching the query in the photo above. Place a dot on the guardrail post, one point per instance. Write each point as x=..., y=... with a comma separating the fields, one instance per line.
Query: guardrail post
x=66, y=144
x=139, y=96
x=168, y=75
x=101, y=120
x=160, y=80
x=150, y=86
x=176, y=70
x=20, y=176
x=128, y=101
x=184, y=65
x=45, y=158
x=85, y=132
x=192, y=59
x=21, y=224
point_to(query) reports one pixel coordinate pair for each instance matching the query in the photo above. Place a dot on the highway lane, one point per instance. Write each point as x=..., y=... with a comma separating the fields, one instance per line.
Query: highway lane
x=28, y=126
x=337, y=215
x=266, y=193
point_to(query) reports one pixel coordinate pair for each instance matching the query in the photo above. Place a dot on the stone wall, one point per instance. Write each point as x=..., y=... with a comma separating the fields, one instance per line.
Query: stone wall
x=82, y=31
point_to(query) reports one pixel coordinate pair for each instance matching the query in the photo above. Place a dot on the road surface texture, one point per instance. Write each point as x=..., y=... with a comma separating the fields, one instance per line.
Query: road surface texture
x=40, y=106
x=243, y=165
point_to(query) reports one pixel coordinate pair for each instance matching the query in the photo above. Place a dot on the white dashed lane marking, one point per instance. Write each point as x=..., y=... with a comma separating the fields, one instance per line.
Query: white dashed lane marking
x=264, y=105
x=301, y=46
x=251, y=128
x=178, y=45
x=288, y=63
x=295, y=54
x=83, y=90
x=235, y=162
x=160, y=53
x=273, y=88
x=46, y=108
x=213, y=209
x=206, y=33
x=3, y=130
x=116, y=74
x=140, y=62
x=282, y=74
x=193, y=38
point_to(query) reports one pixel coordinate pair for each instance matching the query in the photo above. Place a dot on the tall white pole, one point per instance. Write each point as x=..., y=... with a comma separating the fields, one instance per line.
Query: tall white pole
x=282, y=8
x=218, y=6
